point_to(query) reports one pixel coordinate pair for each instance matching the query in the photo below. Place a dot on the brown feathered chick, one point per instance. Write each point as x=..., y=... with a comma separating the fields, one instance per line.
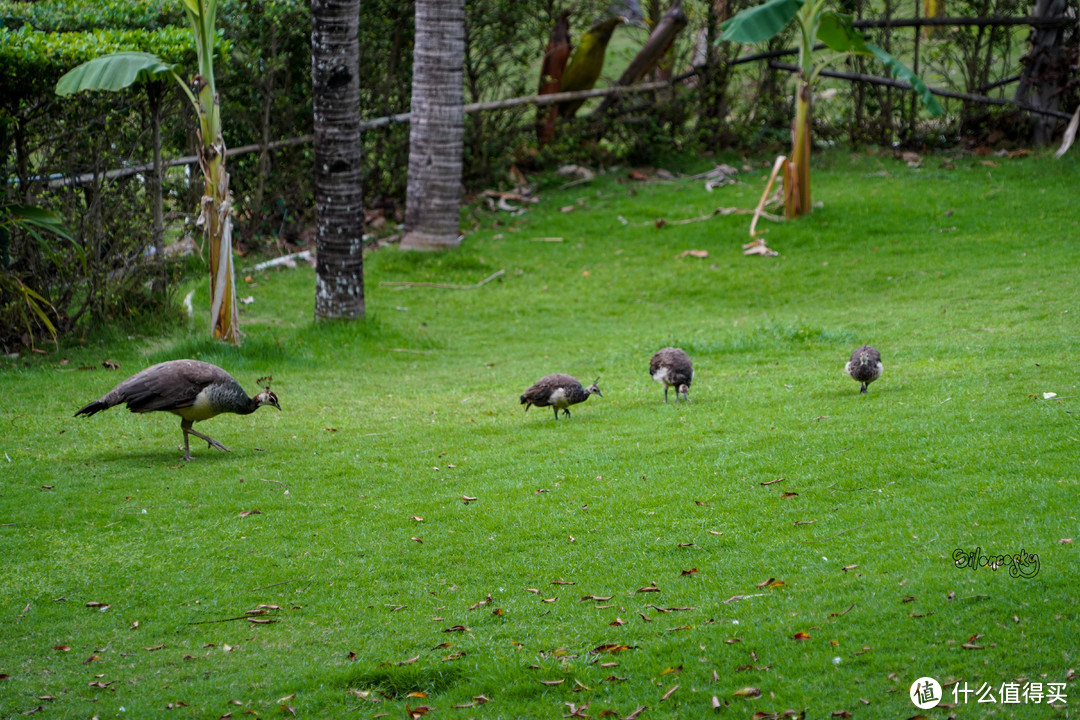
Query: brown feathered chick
x=559, y=391
x=673, y=368
x=864, y=366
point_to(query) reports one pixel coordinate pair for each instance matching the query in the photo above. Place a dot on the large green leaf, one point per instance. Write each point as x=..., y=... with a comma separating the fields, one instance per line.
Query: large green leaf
x=762, y=22
x=32, y=216
x=113, y=72
x=33, y=219
x=900, y=71
x=836, y=31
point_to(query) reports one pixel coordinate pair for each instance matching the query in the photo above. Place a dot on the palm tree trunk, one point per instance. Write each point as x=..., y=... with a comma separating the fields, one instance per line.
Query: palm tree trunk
x=437, y=135
x=339, y=202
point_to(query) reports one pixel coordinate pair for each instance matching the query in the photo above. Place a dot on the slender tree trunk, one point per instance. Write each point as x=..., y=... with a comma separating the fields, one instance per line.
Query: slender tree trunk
x=437, y=134
x=1045, y=74
x=267, y=83
x=339, y=202
x=551, y=71
x=155, y=97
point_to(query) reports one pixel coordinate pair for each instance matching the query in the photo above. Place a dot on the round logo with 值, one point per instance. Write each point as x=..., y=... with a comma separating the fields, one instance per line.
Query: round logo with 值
x=925, y=693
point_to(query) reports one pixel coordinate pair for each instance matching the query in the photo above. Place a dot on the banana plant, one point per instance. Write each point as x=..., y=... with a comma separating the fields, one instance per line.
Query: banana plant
x=816, y=23
x=120, y=70
x=26, y=305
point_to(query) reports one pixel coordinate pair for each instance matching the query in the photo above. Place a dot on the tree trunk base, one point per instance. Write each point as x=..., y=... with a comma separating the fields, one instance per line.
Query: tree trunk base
x=419, y=240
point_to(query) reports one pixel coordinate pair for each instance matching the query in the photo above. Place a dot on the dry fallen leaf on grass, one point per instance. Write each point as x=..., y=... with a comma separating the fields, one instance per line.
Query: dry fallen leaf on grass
x=752, y=692
x=479, y=603
x=577, y=711
x=801, y=636
x=600, y=598
x=611, y=648
x=669, y=693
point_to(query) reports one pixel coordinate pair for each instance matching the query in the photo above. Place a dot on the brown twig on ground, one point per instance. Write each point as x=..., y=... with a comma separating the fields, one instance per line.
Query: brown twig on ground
x=283, y=582
x=445, y=286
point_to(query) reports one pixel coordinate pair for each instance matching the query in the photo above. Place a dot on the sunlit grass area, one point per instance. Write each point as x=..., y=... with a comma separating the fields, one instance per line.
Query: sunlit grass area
x=410, y=538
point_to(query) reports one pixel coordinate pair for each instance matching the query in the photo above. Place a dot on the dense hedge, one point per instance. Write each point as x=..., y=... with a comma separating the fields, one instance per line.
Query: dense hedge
x=75, y=15
x=31, y=61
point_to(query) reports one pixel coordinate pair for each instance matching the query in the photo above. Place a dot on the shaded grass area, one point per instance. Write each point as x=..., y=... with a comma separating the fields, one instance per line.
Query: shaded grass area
x=961, y=272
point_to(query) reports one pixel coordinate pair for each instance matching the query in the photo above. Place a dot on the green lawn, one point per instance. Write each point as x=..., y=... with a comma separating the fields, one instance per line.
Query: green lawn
x=962, y=272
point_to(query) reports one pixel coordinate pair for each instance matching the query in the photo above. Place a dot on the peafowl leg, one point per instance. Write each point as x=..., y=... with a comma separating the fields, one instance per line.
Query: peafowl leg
x=665, y=394
x=210, y=442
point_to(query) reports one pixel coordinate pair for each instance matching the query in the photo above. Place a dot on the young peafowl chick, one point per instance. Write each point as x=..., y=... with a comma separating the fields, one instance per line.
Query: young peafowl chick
x=864, y=366
x=192, y=389
x=559, y=391
x=673, y=368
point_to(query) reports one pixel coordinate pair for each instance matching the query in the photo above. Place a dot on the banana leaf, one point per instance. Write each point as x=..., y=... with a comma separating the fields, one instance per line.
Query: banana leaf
x=114, y=72
x=760, y=23
x=836, y=31
x=900, y=71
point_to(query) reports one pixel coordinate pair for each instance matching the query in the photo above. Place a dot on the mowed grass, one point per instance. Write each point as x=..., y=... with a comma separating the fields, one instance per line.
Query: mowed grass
x=390, y=582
